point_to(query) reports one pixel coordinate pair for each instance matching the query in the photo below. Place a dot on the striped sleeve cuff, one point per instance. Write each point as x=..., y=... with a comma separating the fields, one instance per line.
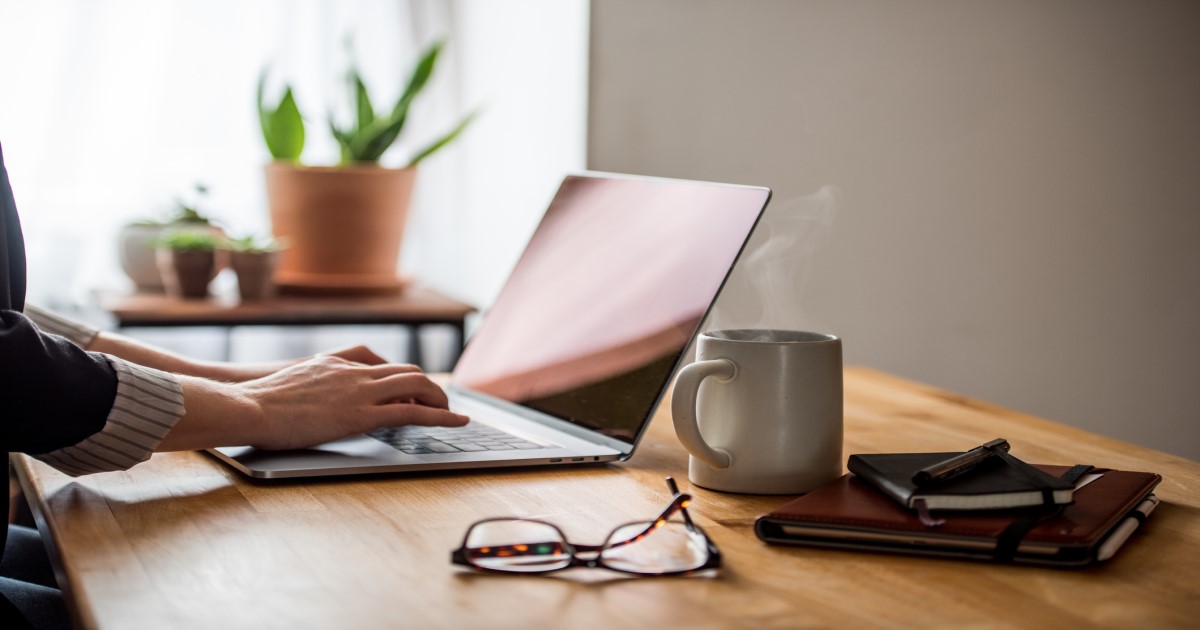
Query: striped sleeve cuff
x=148, y=404
x=75, y=332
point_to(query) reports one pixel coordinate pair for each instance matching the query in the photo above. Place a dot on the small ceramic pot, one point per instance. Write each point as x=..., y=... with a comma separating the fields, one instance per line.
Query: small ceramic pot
x=187, y=273
x=255, y=273
x=136, y=251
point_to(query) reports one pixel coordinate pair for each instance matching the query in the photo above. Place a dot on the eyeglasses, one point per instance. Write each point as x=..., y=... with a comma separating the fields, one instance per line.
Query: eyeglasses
x=657, y=547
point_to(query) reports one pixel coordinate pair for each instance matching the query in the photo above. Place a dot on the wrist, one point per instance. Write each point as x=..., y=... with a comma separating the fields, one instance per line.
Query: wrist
x=215, y=414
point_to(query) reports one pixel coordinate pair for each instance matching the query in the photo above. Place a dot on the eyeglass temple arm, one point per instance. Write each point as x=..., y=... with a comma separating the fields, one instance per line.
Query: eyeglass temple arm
x=679, y=502
x=682, y=510
x=714, y=552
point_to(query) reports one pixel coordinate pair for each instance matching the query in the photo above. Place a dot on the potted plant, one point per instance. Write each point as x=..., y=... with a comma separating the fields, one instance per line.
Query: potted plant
x=254, y=259
x=187, y=261
x=137, y=241
x=344, y=224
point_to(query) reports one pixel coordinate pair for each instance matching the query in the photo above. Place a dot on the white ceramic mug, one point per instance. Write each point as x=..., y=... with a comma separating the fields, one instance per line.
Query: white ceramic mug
x=760, y=411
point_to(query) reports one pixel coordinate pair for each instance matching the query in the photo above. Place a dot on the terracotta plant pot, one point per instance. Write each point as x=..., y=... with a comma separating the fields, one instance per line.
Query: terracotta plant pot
x=255, y=273
x=343, y=226
x=187, y=273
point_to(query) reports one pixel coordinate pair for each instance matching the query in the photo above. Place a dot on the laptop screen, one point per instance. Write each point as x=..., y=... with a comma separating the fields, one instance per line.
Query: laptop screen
x=607, y=296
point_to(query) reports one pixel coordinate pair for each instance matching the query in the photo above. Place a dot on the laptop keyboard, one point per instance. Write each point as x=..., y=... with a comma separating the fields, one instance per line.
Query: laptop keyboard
x=471, y=437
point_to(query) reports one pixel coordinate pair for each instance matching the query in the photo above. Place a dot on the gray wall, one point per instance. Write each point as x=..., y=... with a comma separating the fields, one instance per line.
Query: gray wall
x=1018, y=183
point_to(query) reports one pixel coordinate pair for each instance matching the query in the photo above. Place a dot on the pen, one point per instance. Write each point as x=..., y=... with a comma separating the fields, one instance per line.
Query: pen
x=959, y=463
x=1121, y=532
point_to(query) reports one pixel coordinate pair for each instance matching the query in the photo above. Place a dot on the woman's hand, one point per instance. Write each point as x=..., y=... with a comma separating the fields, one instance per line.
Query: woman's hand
x=324, y=398
x=329, y=397
x=357, y=354
x=240, y=372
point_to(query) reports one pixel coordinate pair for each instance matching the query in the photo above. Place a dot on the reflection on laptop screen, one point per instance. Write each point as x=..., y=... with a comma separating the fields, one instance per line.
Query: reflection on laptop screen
x=607, y=296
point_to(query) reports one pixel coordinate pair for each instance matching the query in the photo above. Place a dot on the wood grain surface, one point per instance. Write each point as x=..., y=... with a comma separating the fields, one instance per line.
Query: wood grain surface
x=182, y=542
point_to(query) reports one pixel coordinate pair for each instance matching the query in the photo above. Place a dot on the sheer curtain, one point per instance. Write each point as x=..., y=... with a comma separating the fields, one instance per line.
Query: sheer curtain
x=110, y=110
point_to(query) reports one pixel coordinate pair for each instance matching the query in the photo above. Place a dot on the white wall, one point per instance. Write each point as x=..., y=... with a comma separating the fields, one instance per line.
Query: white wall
x=1018, y=214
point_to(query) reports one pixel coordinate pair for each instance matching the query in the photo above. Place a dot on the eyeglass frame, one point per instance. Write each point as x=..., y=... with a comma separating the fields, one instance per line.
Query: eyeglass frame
x=679, y=502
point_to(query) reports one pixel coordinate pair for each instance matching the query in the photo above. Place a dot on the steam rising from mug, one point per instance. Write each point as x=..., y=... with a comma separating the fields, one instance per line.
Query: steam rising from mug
x=765, y=289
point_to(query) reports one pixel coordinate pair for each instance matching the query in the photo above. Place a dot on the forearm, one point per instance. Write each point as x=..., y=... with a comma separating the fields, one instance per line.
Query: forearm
x=134, y=351
x=142, y=354
x=166, y=402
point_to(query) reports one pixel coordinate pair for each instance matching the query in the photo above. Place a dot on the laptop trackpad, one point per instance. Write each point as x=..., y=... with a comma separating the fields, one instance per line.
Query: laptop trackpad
x=354, y=447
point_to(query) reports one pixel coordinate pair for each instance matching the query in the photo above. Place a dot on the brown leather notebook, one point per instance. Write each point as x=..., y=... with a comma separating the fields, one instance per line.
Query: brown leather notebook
x=849, y=514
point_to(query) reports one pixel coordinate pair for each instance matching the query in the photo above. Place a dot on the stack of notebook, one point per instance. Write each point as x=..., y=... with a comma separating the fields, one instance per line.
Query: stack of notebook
x=1000, y=510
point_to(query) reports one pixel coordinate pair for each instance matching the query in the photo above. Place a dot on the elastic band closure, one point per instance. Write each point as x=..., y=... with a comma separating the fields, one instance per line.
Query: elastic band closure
x=1010, y=539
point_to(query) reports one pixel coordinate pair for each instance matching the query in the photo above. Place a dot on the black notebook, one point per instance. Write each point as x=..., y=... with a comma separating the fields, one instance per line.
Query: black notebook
x=993, y=484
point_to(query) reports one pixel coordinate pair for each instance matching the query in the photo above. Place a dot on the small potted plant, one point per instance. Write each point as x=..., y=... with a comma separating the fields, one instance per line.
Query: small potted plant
x=138, y=240
x=187, y=261
x=254, y=258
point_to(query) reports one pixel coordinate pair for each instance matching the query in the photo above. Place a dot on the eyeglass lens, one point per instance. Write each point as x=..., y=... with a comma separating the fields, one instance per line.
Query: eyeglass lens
x=517, y=545
x=671, y=547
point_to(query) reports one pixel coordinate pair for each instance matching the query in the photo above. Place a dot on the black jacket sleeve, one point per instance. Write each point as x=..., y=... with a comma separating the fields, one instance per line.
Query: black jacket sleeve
x=52, y=393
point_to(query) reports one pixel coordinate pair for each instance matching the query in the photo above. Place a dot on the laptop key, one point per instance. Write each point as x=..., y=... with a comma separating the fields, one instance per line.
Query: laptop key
x=416, y=440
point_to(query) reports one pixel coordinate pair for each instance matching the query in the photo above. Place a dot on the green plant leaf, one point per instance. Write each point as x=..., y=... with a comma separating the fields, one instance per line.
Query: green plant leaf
x=186, y=212
x=263, y=115
x=251, y=243
x=370, y=136
x=282, y=126
x=362, y=102
x=419, y=78
x=375, y=147
x=443, y=141
x=344, y=139
x=371, y=144
x=189, y=240
x=287, y=129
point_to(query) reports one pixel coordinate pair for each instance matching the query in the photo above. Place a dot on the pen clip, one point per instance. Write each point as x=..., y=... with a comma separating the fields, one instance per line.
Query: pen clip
x=959, y=464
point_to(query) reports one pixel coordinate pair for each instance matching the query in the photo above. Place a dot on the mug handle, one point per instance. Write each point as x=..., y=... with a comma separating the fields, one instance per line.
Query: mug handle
x=683, y=409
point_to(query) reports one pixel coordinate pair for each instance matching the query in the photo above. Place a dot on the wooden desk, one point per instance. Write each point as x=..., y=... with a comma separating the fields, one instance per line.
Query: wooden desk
x=417, y=306
x=181, y=542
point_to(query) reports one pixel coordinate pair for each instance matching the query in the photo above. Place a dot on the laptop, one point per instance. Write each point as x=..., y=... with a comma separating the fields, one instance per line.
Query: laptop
x=578, y=348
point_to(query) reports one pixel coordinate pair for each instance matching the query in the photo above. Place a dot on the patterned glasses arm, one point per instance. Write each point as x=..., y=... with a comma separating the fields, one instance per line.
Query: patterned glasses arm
x=679, y=503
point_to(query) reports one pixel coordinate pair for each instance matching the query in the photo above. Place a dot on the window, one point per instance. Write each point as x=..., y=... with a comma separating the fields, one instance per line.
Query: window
x=112, y=109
